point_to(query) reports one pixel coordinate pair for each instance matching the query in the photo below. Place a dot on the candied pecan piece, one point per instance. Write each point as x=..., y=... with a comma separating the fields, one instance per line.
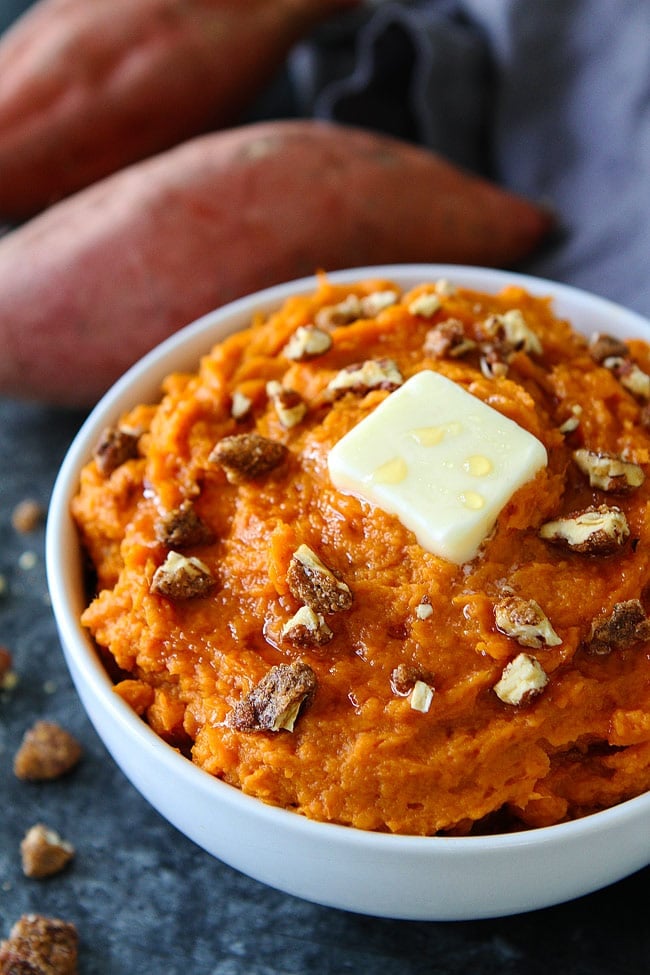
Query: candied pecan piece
x=240, y=405
x=603, y=346
x=288, y=404
x=594, y=531
x=307, y=628
x=47, y=751
x=630, y=376
x=44, y=852
x=448, y=339
x=311, y=581
x=626, y=625
x=307, y=342
x=114, y=448
x=342, y=313
x=374, y=303
x=183, y=528
x=407, y=679
x=525, y=621
x=182, y=577
x=274, y=703
x=363, y=376
x=248, y=456
x=40, y=945
x=522, y=679
x=608, y=472
x=511, y=331
x=493, y=363
x=425, y=305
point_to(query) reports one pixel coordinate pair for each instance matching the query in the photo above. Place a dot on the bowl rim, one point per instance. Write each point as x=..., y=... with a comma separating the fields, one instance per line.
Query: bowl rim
x=62, y=563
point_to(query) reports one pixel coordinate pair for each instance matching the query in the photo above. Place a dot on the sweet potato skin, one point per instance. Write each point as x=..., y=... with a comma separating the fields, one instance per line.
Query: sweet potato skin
x=97, y=280
x=87, y=88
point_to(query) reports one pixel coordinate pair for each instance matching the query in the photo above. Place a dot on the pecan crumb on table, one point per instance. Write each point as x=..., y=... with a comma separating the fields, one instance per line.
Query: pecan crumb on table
x=47, y=752
x=44, y=852
x=40, y=945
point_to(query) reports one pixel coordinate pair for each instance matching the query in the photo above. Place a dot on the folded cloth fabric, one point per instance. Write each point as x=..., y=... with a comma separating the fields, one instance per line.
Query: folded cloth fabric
x=550, y=99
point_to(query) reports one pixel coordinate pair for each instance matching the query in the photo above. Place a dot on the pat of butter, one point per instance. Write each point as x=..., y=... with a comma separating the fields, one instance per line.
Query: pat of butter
x=441, y=460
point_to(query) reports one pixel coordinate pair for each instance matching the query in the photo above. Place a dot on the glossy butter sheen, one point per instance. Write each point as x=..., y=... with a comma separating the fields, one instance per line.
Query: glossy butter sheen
x=441, y=460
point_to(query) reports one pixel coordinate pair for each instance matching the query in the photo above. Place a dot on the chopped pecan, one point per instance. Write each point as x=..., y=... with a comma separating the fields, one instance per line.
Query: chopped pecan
x=511, y=331
x=274, y=703
x=421, y=696
x=626, y=625
x=44, y=852
x=6, y=663
x=522, y=679
x=343, y=313
x=374, y=303
x=573, y=421
x=363, y=376
x=307, y=628
x=405, y=677
x=114, y=448
x=288, y=404
x=629, y=375
x=311, y=581
x=593, y=531
x=248, y=456
x=40, y=945
x=425, y=305
x=182, y=577
x=608, y=472
x=603, y=346
x=183, y=528
x=525, y=621
x=307, y=342
x=424, y=609
x=448, y=339
x=240, y=405
x=47, y=752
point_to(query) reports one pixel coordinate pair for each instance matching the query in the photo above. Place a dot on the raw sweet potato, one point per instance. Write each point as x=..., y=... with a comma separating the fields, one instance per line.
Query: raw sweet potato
x=98, y=279
x=86, y=88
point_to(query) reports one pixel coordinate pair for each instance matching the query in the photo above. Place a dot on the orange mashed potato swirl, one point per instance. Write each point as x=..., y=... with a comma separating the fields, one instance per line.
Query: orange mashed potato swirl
x=300, y=645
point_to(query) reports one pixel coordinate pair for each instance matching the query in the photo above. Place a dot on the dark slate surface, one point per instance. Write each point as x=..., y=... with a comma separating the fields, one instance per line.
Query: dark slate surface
x=147, y=900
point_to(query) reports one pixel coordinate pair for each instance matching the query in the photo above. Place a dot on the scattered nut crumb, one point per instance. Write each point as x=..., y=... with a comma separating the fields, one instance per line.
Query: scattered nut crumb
x=377, y=301
x=44, y=852
x=40, y=945
x=630, y=376
x=602, y=346
x=404, y=677
x=27, y=516
x=7, y=676
x=421, y=696
x=311, y=581
x=47, y=752
x=114, y=448
x=448, y=339
x=343, y=313
x=626, y=625
x=513, y=332
x=240, y=405
x=424, y=609
x=522, y=679
x=183, y=528
x=275, y=701
x=182, y=577
x=307, y=628
x=425, y=305
x=248, y=456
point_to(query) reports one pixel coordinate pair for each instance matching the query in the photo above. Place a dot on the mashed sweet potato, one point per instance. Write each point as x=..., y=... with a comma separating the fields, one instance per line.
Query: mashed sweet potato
x=298, y=643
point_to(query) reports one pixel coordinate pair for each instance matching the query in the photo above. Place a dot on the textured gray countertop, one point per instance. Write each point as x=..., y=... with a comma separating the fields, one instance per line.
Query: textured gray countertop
x=147, y=900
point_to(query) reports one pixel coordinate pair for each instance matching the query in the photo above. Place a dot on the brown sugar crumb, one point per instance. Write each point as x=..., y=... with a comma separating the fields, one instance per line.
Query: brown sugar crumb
x=180, y=577
x=627, y=625
x=40, y=945
x=247, y=456
x=47, y=752
x=44, y=852
x=183, y=528
x=274, y=703
x=114, y=448
x=311, y=581
x=27, y=516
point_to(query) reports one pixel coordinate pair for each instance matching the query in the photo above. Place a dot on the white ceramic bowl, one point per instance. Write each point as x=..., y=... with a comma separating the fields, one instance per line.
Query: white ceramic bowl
x=418, y=878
